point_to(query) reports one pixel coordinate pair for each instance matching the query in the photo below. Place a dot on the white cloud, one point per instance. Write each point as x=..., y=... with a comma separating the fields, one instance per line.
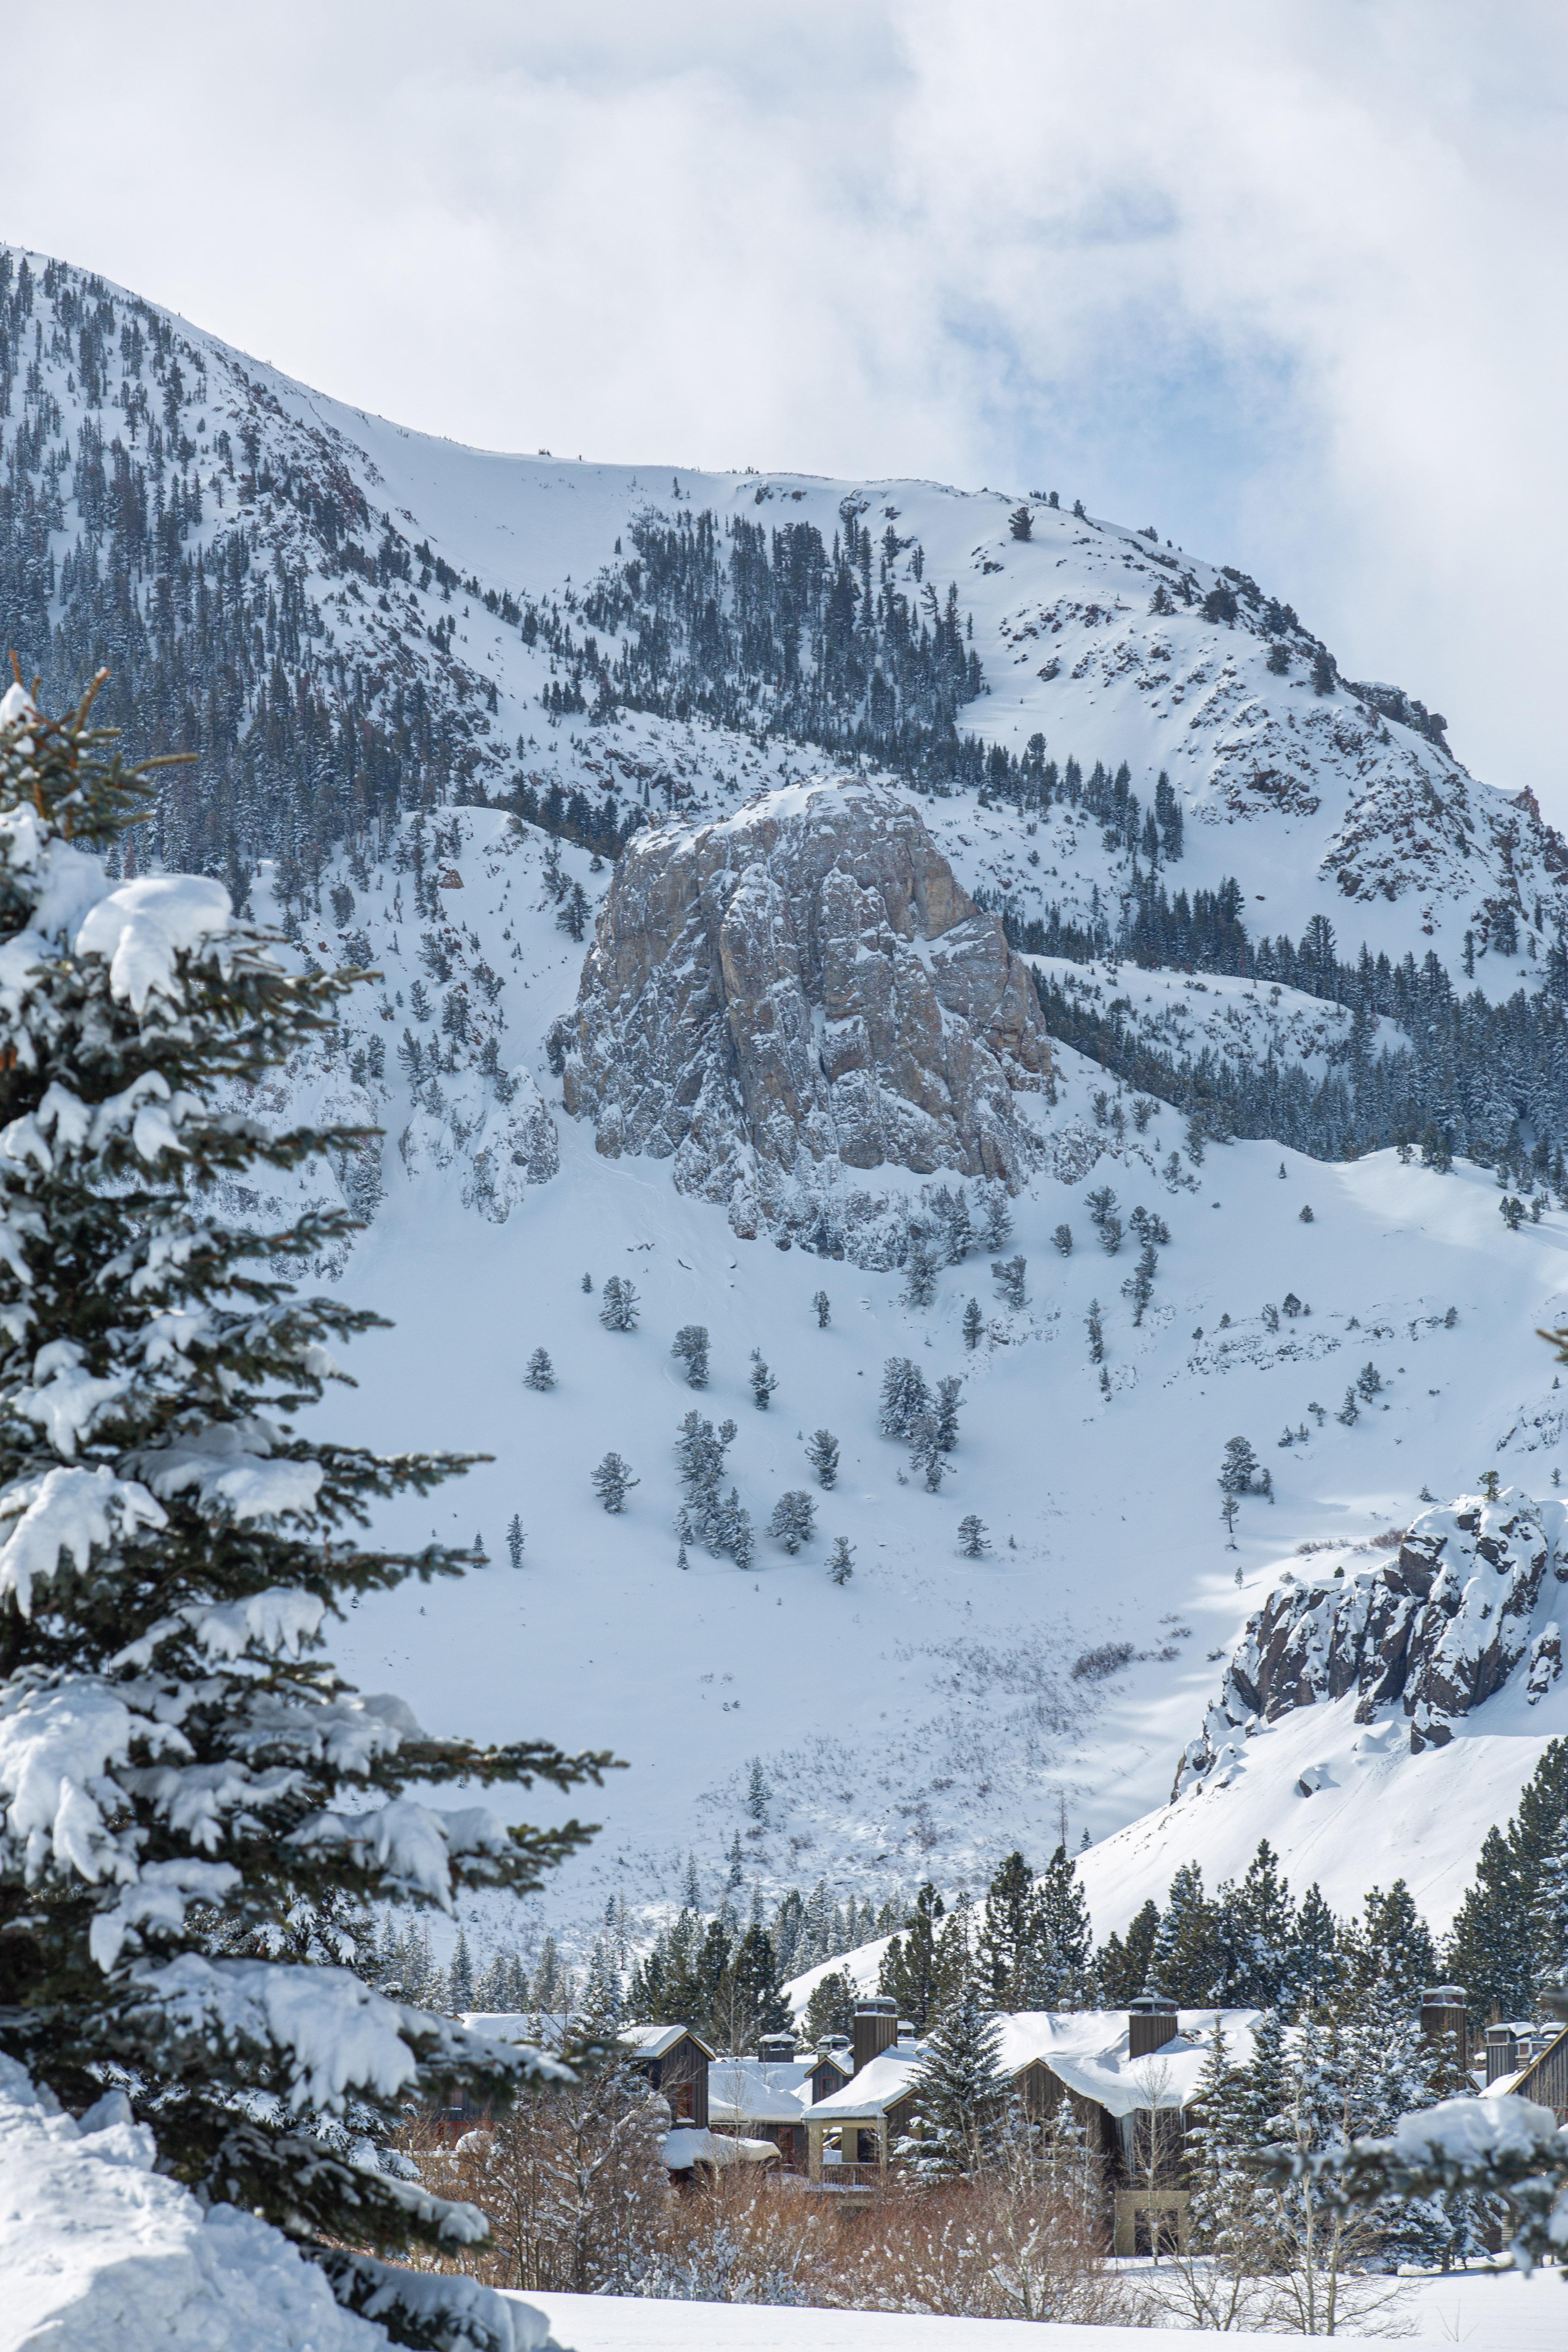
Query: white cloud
x=1280, y=280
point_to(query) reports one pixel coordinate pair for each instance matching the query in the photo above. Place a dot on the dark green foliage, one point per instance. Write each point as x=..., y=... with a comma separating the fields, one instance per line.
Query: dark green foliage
x=232, y=1822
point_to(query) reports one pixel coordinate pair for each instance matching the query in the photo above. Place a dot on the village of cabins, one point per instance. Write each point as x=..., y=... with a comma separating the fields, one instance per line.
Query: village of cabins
x=835, y=2114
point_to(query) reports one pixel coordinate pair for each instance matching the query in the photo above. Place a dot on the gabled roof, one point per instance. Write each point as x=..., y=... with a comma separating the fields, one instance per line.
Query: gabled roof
x=742, y=2092
x=1087, y=2050
x=645, y=2041
x=688, y=2144
x=879, y=2085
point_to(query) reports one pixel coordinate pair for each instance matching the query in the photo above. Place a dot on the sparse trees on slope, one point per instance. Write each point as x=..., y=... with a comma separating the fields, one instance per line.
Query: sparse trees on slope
x=189, y=1796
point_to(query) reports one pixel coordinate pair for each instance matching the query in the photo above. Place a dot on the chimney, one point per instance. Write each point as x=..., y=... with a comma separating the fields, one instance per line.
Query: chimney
x=775, y=2049
x=1151, y=2023
x=1503, y=2053
x=875, y=2030
x=1444, y=2015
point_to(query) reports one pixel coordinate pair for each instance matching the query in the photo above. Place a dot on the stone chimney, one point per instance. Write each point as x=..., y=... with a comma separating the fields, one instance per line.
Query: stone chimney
x=875, y=2030
x=1151, y=2023
x=1444, y=2015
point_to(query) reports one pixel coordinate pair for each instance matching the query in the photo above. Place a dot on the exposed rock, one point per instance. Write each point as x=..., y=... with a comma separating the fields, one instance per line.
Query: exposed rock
x=802, y=985
x=1437, y=1632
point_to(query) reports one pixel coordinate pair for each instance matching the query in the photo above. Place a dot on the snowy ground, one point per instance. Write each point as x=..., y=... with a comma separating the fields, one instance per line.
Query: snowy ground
x=1487, y=2313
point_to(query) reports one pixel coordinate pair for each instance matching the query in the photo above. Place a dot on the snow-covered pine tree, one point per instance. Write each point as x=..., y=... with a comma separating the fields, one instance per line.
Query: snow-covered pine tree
x=763, y=1382
x=904, y=1396
x=920, y=1275
x=948, y=1390
x=794, y=1520
x=460, y=1976
x=690, y=1345
x=974, y=1324
x=1096, y=1329
x=841, y=1561
x=1061, y=1240
x=928, y=1453
x=184, y=1782
x=1008, y=1275
x=822, y=1452
x=996, y=1230
x=971, y=1538
x=515, y=1540
x=823, y=1308
x=960, y=2090
x=1063, y=1941
x=613, y=1481
x=541, y=1372
x=621, y=1304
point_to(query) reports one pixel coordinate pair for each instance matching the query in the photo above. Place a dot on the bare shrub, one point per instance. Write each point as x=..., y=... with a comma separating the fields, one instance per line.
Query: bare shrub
x=1098, y=1666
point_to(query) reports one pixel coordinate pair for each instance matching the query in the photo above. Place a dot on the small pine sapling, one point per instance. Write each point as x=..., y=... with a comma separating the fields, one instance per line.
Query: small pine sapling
x=1368, y=1382
x=588, y=1282
x=690, y=1345
x=621, y=1306
x=1062, y=1240
x=841, y=1561
x=974, y=1324
x=822, y=1452
x=541, y=1372
x=515, y=1540
x=824, y=1306
x=996, y=1229
x=1271, y=1319
x=613, y=1481
x=919, y=1278
x=1008, y=1275
x=1349, y=1411
x=1104, y=1381
x=973, y=1541
x=1307, y=1217
x=794, y=1520
x=763, y=1383
x=1096, y=1329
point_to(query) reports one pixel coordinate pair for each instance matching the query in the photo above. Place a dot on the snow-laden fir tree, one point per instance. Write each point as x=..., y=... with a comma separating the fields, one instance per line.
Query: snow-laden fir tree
x=515, y=1540
x=974, y=1324
x=1061, y=1240
x=960, y=2091
x=541, y=1372
x=973, y=1541
x=822, y=1452
x=823, y=1308
x=1008, y=1275
x=794, y=1520
x=690, y=1345
x=621, y=1304
x=190, y=1798
x=613, y=1481
x=763, y=1382
x=920, y=1275
x=841, y=1561
x=904, y=1396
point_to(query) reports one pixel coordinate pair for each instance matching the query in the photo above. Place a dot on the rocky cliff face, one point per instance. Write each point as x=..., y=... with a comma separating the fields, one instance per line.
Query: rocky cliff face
x=1473, y=1596
x=801, y=990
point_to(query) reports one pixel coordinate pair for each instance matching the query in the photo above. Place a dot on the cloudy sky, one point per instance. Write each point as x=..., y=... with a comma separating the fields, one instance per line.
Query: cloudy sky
x=1284, y=280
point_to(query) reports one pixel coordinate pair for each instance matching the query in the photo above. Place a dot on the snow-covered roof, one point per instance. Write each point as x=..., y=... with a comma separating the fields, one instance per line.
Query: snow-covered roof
x=742, y=2092
x=1087, y=2050
x=535, y=2026
x=879, y=2085
x=687, y=2146
x=653, y=2041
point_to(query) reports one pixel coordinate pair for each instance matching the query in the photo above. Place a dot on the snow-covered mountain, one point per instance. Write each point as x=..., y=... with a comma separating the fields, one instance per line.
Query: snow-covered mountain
x=903, y=791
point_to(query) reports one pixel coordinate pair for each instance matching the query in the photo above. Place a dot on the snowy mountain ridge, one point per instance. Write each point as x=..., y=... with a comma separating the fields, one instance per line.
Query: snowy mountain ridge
x=435, y=693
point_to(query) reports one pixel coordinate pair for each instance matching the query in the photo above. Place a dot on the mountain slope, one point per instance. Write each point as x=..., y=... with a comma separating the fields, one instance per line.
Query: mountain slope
x=433, y=691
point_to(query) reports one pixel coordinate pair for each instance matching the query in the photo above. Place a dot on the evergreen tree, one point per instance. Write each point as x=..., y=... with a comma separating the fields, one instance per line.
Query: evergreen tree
x=1092, y=1324
x=613, y=1481
x=919, y=1277
x=1255, y=1930
x=1123, y=1970
x=912, y=1972
x=794, y=1521
x=972, y=1537
x=1064, y=1943
x=841, y=1561
x=904, y=1396
x=822, y=1452
x=763, y=1382
x=690, y=1345
x=515, y=1540
x=831, y=2007
x=948, y=1392
x=541, y=1372
x=974, y=1324
x=1391, y=1944
x=1008, y=1275
x=1312, y=1975
x=175, y=1551
x=960, y=2091
x=460, y=1978
x=1061, y=1240
x=927, y=1452
x=1004, y=1955
x=1188, y=1961
x=996, y=1226
x=620, y=1307
x=824, y=1309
